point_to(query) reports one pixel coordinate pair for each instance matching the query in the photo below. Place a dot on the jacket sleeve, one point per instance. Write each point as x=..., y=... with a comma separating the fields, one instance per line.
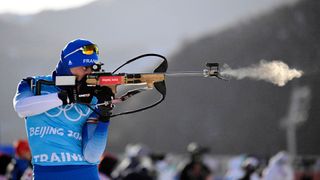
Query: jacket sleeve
x=94, y=140
x=26, y=103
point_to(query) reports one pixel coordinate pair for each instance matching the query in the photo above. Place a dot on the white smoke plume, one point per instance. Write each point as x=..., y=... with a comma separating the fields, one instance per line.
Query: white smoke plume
x=276, y=72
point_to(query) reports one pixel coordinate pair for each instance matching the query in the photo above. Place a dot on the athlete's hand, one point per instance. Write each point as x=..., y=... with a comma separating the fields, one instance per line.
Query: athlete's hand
x=103, y=94
x=85, y=93
x=65, y=97
x=105, y=112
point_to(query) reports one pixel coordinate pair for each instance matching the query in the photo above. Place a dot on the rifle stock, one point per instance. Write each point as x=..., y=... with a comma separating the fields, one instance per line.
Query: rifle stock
x=113, y=80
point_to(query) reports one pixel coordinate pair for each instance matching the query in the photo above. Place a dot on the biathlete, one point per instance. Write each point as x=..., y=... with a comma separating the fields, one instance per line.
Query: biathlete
x=67, y=133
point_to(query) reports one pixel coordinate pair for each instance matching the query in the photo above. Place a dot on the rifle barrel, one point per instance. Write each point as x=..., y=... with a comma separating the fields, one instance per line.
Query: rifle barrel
x=183, y=74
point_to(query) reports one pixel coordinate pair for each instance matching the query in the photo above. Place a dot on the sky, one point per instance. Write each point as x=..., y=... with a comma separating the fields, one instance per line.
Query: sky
x=24, y=7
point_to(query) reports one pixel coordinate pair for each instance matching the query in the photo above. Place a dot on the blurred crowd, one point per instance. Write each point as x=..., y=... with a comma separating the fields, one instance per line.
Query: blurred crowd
x=138, y=162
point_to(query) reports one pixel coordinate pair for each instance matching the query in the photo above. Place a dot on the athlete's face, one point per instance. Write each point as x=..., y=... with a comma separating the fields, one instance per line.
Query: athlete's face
x=81, y=71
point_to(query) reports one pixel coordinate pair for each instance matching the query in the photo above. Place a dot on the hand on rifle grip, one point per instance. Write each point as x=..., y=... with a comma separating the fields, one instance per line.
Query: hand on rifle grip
x=105, y=113
x=66, y=97
x=103, y=94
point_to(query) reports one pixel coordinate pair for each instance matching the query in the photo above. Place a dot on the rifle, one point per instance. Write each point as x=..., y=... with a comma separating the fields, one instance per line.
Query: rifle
x=156, y=80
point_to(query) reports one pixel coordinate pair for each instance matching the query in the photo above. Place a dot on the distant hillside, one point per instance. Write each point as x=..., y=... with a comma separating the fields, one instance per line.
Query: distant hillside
x=239, y=116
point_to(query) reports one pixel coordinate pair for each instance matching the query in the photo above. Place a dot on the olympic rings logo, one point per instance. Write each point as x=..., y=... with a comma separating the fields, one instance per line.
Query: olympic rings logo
x=74, y=108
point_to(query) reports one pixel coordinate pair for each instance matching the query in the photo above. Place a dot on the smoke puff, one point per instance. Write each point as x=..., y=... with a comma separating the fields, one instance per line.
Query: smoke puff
x=276, y=72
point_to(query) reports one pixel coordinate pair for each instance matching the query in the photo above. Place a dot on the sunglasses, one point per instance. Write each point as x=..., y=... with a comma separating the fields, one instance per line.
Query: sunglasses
x=87, y=50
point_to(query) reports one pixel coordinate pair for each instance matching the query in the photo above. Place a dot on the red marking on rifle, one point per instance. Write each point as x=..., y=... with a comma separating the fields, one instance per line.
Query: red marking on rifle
x=110, y=80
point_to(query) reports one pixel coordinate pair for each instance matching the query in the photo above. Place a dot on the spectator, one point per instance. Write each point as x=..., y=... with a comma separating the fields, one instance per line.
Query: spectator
x=250, y=166
x=137, y=164
x=21, y=162
x=4, y=161
x=279, y=168
x=196, y=169
x=164, y=166
x=106, y=166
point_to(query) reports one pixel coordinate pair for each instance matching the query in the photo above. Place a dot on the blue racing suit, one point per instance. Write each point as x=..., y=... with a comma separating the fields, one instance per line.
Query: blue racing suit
x=66, y=141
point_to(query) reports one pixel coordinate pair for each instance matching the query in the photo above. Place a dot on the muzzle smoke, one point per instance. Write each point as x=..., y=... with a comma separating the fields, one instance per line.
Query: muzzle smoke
x=276, y=72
